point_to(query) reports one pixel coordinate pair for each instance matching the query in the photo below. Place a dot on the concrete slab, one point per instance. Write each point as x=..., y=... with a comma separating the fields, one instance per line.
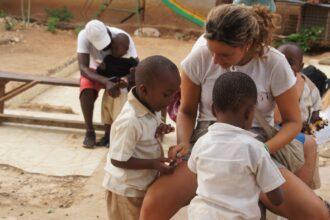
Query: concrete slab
x=47, y=151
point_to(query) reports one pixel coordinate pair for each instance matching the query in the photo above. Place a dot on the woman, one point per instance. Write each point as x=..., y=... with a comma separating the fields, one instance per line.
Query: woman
x=236, y=38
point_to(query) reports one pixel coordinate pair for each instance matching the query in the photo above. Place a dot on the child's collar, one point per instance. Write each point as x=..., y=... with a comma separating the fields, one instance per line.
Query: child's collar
x=140, y=109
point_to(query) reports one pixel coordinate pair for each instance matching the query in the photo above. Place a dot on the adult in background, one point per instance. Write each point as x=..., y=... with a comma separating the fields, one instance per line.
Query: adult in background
x=95, y=42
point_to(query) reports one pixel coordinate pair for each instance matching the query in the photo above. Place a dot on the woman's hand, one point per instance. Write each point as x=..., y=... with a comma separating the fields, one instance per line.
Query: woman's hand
x=177, y=152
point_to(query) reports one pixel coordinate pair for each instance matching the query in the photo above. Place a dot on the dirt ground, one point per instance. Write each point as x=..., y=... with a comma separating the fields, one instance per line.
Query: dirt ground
x=34, y=196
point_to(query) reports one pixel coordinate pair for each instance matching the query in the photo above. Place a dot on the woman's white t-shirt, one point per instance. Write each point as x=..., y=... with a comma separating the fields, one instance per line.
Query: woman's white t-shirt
x=271, y=73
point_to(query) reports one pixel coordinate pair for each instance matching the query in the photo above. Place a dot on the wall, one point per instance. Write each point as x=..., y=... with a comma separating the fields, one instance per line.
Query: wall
x=156, y=12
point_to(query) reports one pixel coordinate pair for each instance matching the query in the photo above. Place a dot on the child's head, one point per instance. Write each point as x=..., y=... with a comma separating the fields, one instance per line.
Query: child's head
x=234, y=99
x=294, y=54
x=157, y=79
x=119, y=45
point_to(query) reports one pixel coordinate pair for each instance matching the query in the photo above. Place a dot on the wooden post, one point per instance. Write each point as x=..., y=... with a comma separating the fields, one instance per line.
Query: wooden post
x=2, y=92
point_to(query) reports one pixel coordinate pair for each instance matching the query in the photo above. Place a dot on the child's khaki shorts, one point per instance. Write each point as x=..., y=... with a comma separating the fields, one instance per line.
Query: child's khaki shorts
x=122, y=207
x=111, y=107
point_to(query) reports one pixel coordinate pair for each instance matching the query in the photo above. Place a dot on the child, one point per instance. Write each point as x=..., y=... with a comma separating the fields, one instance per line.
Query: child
x=309, y=96
x=310, y=106
x=116, y=67
x=136, y=157
x=232, y=167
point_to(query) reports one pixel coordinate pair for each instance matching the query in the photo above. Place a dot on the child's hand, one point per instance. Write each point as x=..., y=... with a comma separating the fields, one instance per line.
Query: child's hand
x=163, y=129
x=164, y=165
x=113, y=89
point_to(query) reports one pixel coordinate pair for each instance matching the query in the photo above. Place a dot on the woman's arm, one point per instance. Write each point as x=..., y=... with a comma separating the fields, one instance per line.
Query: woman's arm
x=190, y=98
x=288, y=107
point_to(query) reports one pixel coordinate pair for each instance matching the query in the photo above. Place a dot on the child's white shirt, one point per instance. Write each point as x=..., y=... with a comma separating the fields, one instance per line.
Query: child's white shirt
x=132, y=135
x=310, y=100
x=232, y=169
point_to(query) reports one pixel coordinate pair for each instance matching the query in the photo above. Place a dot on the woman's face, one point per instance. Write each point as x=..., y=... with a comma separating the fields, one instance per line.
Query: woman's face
x=224, y=54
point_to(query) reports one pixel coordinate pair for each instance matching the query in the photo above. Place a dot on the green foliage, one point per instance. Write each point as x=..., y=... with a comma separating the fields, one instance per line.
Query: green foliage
x=305, y=38
x=101, y=9
x=9, y=26
x=52, y=24
x=63, y=14
x=3, y=14
x=56, y=15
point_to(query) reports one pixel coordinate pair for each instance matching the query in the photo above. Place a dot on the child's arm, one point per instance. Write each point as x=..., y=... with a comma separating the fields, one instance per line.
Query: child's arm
x=268, y=176
x=158, y=164
x=275, y=196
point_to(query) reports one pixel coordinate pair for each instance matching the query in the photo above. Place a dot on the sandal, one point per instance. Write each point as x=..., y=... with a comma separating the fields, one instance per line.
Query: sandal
x=90, y=139
x=103, y=142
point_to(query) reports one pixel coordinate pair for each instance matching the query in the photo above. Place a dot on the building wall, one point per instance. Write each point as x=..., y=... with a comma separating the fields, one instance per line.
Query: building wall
x=156, y=12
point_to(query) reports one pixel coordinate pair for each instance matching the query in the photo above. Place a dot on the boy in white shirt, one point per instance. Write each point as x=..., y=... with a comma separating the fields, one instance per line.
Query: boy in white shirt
x=136, y=157
x=232, y=167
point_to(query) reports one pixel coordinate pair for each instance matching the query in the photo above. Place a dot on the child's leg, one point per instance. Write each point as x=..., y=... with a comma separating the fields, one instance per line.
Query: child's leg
x=111, y=108
x=106, y=119
x=121, y=207
x=306, y=173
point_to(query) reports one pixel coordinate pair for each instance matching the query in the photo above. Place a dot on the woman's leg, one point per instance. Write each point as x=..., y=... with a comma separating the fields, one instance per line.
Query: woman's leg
x=306, y=173
x=169, y=193
x=300, y=202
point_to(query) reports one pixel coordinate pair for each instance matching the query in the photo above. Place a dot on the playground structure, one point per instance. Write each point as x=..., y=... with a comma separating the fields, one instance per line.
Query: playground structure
x=185, y=12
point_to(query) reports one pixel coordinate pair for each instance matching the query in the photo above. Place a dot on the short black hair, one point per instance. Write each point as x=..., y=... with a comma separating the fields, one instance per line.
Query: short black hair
x=233, y=90
x=292, y=48
x=121, y=38
x=151, y=69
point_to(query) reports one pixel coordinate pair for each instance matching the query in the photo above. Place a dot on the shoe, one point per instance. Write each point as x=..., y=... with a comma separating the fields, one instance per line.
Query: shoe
x=103, y=142
x=90, y=139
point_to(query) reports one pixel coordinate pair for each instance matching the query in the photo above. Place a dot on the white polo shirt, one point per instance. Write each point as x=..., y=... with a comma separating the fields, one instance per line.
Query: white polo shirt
x=84, y=46
x=132, y=135
x=232, y=168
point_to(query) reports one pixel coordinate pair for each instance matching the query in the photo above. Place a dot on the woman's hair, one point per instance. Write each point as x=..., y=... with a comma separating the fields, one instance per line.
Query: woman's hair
x=238, y=25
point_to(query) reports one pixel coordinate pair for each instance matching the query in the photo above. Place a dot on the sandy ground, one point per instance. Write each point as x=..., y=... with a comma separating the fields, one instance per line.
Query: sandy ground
x=33, y=196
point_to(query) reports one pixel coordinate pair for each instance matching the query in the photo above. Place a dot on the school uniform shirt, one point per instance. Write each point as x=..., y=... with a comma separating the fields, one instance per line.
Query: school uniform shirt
x=271, y=73
x=310, y=100
x=232, y=168
x=132, y=135
x=84, y=46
